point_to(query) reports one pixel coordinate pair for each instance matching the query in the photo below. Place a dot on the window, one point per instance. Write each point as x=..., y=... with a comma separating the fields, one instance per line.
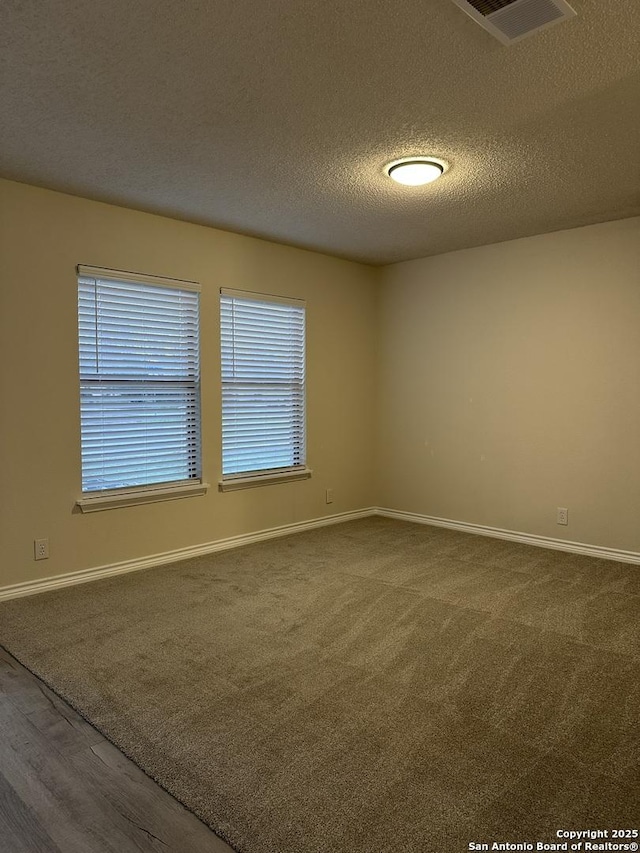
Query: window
x=139, y=382
x=263, y=388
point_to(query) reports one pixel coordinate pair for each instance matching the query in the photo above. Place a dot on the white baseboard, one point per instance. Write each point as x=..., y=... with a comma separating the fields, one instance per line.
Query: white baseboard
x=19, y=590
x=86, y=575
x=515, y=536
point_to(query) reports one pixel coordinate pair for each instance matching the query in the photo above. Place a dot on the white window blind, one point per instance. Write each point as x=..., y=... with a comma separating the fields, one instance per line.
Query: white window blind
x=139, y=380
x=263, y=383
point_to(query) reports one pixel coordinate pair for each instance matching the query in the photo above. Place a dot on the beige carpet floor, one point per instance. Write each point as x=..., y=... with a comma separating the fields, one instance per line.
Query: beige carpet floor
x=370, y=687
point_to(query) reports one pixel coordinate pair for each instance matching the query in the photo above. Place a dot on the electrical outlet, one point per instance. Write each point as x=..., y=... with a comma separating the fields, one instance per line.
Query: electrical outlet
x=329, y=496
x=41, y=549
x=563, y=515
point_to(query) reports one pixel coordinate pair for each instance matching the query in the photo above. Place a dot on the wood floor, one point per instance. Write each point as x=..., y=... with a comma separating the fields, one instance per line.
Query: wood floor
x=65, y=789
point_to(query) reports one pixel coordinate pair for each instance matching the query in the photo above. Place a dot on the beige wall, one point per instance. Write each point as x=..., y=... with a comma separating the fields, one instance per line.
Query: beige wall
x=510, y=385
x=44, y=235
x=508, y=382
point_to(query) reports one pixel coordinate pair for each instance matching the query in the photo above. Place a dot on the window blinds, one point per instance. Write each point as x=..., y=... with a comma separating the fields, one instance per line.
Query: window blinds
x=139, y=381
x=263, y=383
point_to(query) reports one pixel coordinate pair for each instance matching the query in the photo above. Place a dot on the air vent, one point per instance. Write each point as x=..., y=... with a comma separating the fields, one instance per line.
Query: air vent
x=512, y=20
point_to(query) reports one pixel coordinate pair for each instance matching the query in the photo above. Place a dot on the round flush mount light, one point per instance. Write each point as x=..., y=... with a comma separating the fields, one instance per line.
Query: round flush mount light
x=415, y=171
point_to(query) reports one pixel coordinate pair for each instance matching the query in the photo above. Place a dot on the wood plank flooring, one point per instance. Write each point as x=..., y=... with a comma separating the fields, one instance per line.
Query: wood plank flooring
x=64, y=788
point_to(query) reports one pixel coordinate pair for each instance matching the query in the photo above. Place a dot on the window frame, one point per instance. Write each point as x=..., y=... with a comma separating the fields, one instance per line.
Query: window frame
x=131, y=495
x=261, y=477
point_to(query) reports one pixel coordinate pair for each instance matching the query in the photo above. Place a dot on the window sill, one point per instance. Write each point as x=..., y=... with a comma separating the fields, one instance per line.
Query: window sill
x=141, y=496
x=232, y=484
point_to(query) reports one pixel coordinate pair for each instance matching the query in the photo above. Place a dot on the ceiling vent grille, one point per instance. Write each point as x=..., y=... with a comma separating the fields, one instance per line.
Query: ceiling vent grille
x=512, y=20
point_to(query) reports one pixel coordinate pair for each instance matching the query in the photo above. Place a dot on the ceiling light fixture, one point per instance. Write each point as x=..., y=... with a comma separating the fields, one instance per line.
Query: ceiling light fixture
x=415, y=171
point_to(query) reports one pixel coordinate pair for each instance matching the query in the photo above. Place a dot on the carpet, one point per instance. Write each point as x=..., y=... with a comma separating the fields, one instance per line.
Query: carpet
x=369, y=687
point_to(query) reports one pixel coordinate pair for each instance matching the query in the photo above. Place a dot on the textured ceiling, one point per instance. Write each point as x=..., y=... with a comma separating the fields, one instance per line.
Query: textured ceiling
x=276, y=118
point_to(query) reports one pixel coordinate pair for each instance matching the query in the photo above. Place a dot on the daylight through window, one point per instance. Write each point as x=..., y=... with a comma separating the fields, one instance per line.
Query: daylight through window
x=263, y=384
x=139, y=380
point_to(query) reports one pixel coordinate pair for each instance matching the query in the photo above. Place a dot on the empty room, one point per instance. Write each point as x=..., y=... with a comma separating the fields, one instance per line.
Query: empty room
x=319, y=457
